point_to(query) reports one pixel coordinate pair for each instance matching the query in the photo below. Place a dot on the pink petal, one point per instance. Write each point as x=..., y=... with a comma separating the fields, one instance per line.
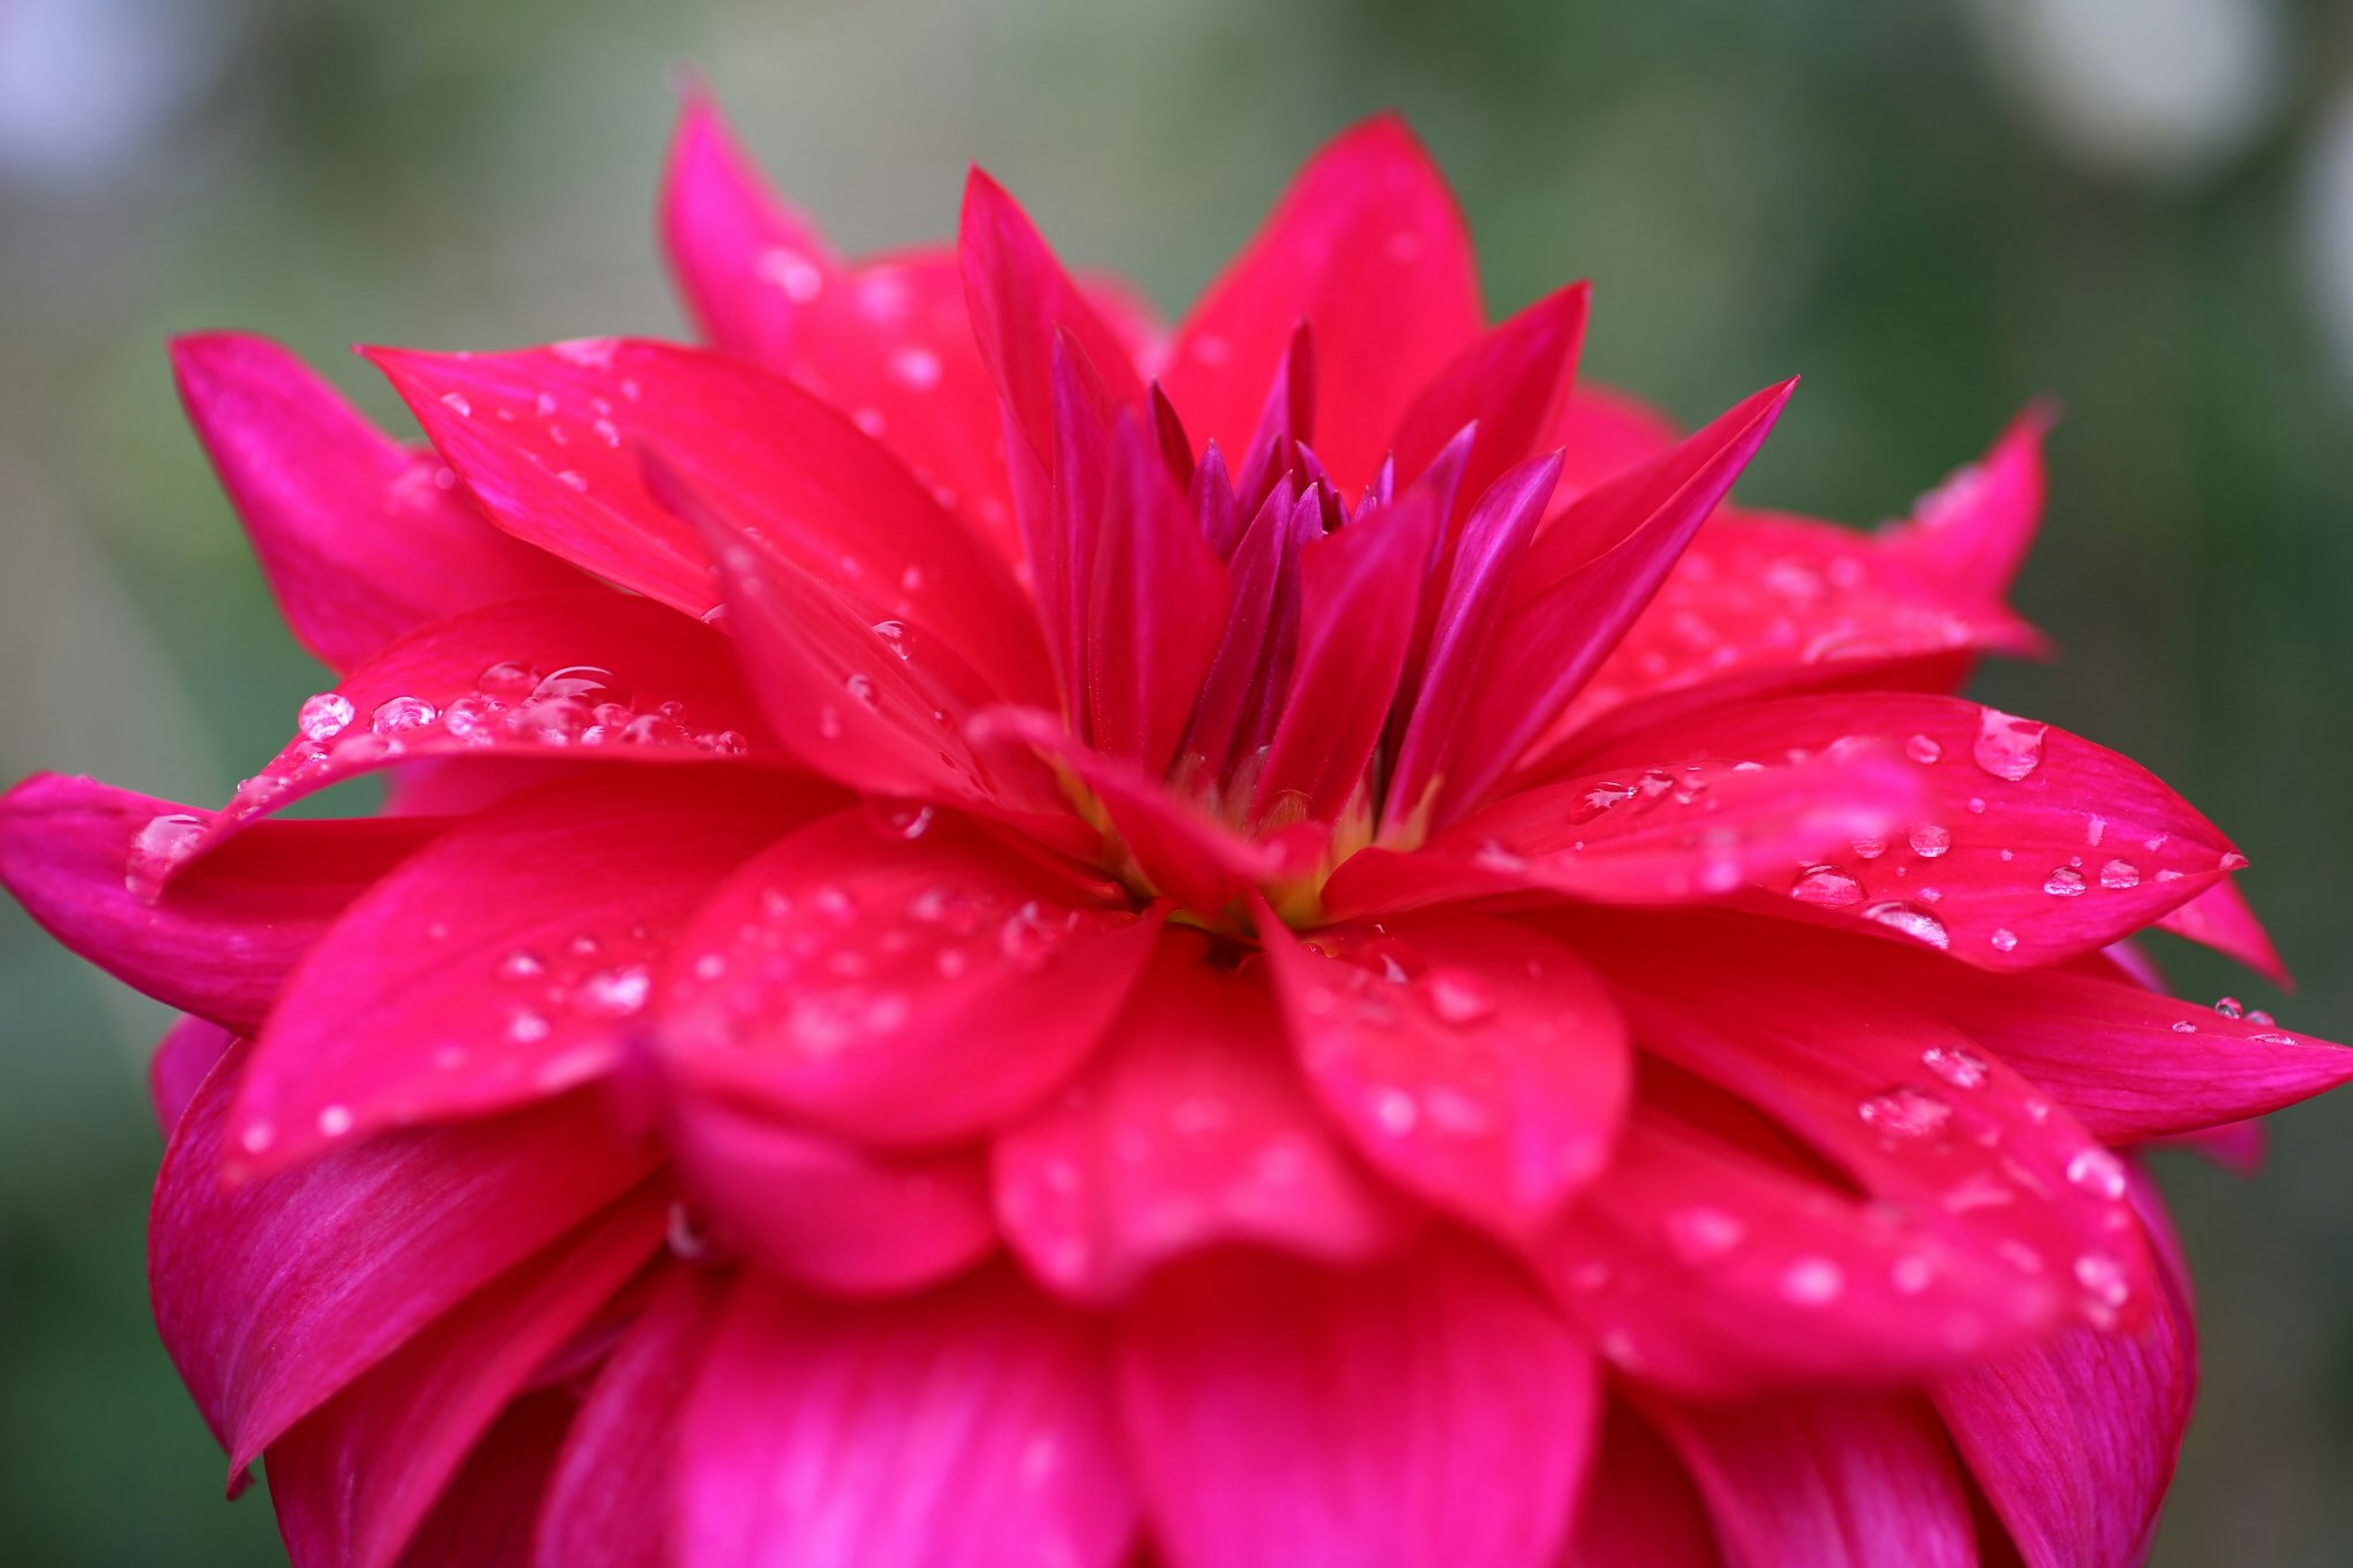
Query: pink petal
x=1264, y=561
x=2039, y=845
x=1020, y=301
x=1641, y=1510
x=1361, y=591
x=273, y=1294
x=1189, y=1130
x=858, y=1221
x=1368, y=246
x=508, y=963
x=753, y=268
x=2239, y=1147
x=605, y=667
x=354, y=1478
x=359, y=542
x=1289, y=1417
x=1511, y=384
x=608, y=1502
x=183, y=1058
x=965, y=1428
x=1583, y=582
x=1675, y=831
x=898, y=984
x=221, y=942
x=2221, y=919
x=1603, y=432
x=2074, y=1439
x=1974, y=529
x=484, y=1517
x=554, y=441
x=1827, y=1482
x=1477, y=1063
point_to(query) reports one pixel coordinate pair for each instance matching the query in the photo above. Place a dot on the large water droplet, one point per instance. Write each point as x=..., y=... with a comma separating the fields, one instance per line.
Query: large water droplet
x=2007, y=747
x=1826, y=886
x=2097, y=1172
x=1913, y=921
x=511, y=679
x=322, y=717
x=1929, y=841
x=402, y=716
x=1923, y=749
x=2120, y=874
x=1909, y=1114
x=1812, y=1281
x=2064, y=883
x=1458, y=997
x=585, y=683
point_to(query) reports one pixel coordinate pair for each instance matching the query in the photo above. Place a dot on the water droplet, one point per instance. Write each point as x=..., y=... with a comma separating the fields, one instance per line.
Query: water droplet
x=917, y=368
x=2004, y=939
x=2120, y=874
x=1394, y=1111
x=527, y=1029
x=401, y=716
x=1929, y=841
x=2097, y=1172
x=511, y=679
x=902, y=820
x=1956, y=1065
x=587, y=683
x=2260, y=1018
x=1916, y=923
x=1458, y=997
x=1909, y=1114
x=522, y=964
x=894, y=633
x=862, y=687
x=2103, y=1279
x=1923, y=749
x=794, y=273
x=1826, y=886
x=2007, y=747
x=1812, y=1281
x=1871, y=845
x=2184, y=1026
x=1702, y=1235
x=322, y=717
x=2064, y=883
x=334, y=1121
x=457, y=400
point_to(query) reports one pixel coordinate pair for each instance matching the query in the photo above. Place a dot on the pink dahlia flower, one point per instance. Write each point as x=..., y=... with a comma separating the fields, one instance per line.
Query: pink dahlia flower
x=1009, y=937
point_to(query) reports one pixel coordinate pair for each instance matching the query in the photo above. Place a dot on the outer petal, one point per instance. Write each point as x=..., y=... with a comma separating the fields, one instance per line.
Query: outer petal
x=1641, y=1510
x=752, y=268
x=1511, y=384
x=1826, y=1483
x=898, y=985
x=1603, y=432
x=1368, y=248
x=608, y=1502
x=564, y=677
x=507, y=964
x=2074, y=1440
x=1189, y=1128
x=967, y=1428
x=2028, y=845
x=824, y=1212
x=1427, y=1415
x=360, y=541
x=222, y=941
x=353, y=1479
x=273, y=1295
x=183, y=1058
x=1478, y=1063
x=1976, y=528
x=2222, y=917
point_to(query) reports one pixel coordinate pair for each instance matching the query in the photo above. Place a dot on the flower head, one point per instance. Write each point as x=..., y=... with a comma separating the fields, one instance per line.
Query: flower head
x=1005, y=933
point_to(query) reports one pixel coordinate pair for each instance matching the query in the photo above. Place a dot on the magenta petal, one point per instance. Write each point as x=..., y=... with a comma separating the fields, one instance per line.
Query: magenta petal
x=1424, y=1413
x=1641, y=1510
x=1477, y=1063
x=750, y=266
x=901, y=984
x=1827, y=1482
x=484, y=1517
x=2074, y=1439
x=1189, y=1128
x=609, y=1503
x=183, y=1058
x=1368, y=246
x=1510, y=384
x=508, y=963
x=1602, y=432
x=354, y=1478
x=274, y=1293
x=2221, y=919
x=360, y=542
x=221, y=941
x=966, y=1428
x=1974, y=531
x=857, y=1222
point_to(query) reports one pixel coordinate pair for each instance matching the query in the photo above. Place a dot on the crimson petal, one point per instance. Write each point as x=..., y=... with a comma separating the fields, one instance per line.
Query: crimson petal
x=2221, y=919
x=1641, y=1510
x=1509, y=383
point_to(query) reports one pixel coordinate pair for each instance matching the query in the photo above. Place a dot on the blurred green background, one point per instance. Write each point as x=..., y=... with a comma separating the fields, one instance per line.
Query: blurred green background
x=1933, y=210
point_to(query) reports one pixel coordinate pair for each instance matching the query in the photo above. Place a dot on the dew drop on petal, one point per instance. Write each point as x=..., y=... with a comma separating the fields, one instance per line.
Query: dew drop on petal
x=2064, y=883
x=2120, y=874
x=1909, y=1114
x=1458, y=997
x=2007, y=747
x=1812, y=1281
x=1827, y=887
x=401, y=716
x=1957, y=1066
x=322, y=717
x=1929, y=841
x=334, y=1121
x=2004, y=939
x=2230, y=1007
x=1923, y=749
x=1702, y=1235
x=1916, y=923
x=511, y=679
x=2097, y=1172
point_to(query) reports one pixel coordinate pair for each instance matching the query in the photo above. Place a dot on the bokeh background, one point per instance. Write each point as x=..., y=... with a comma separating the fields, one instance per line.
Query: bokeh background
x=1934, y=209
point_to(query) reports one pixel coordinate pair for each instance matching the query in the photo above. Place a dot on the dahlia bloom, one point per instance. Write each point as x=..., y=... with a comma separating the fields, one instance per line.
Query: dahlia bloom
x=1006, y=936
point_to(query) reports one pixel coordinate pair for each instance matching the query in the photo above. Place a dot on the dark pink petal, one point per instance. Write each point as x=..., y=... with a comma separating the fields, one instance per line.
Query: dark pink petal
x=858, y=1221
x=1762, y=604
x=183, y=1058
x=1022, y=300
x=575, y=677
x=2239, y=1147
x=753, y=268
x=608, y=1502
x=1263, y=561
x=1477, y=1063
x=969, y=1427
x=1676, y=831
x=555, y=441
x=1360, y=591
x=507, y=964
x=1423, y=1413
x=484, y=1517
x=354, y=1478
x=1583, y=582
x=1511, y=384
x=1827, y=1482
x=360, y=542
x=1974, y=531
x=2028, y=845
x=1366, y=246
x=898, y=982
x=1189, y=1128
x=2074, y=1439
x=1639, y=1509
x=274, y=1293
x=2221, y=919
x=1602, y=432
x=221, y=941
x=1157, y=609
